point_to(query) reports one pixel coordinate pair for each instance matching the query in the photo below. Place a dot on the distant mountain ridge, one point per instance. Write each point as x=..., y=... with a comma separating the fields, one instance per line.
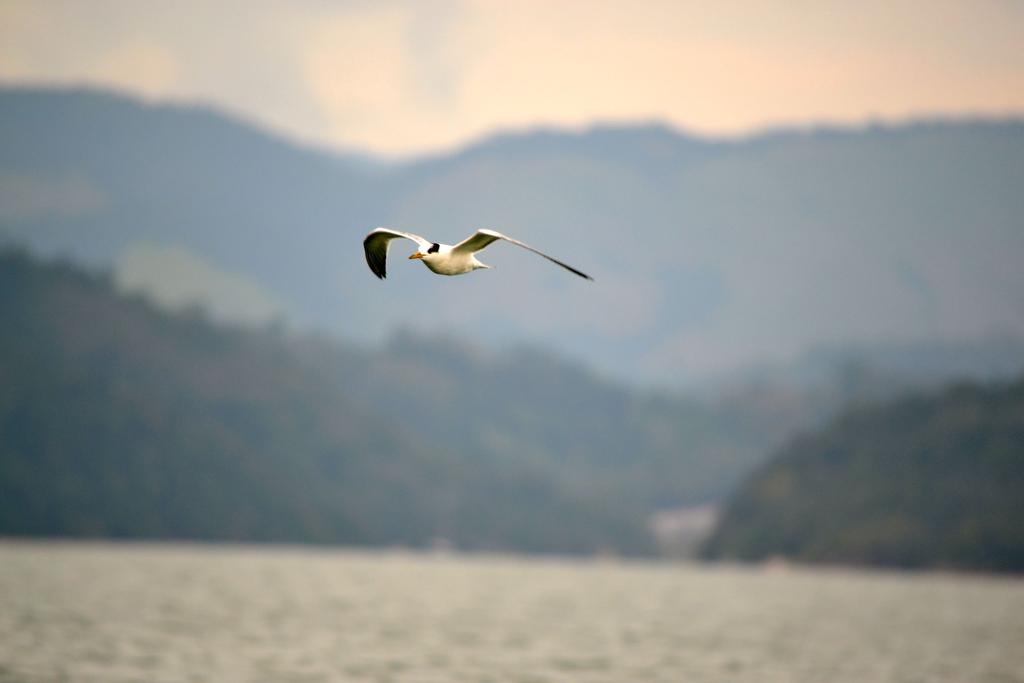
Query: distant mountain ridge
x=708, y=255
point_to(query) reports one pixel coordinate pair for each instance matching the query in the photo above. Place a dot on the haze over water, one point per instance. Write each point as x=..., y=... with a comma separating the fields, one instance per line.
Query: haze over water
x=96, y=612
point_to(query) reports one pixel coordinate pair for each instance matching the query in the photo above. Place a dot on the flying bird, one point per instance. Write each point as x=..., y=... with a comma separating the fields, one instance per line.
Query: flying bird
x=443, y=259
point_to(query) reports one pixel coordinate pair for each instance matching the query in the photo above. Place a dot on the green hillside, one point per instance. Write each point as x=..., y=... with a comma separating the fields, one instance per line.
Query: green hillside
x=922, y=482
x=121, y=420
x=117, y=420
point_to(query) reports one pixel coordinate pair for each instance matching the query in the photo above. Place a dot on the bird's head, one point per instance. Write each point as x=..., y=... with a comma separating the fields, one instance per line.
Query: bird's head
x=429, y=254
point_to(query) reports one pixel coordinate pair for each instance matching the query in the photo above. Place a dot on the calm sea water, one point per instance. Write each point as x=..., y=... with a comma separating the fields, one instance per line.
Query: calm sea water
x=110, y=613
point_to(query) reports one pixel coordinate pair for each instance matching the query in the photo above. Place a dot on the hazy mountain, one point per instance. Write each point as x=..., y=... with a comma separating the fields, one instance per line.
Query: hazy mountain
x=92, y=176
x=708, y=255
x=924, y=481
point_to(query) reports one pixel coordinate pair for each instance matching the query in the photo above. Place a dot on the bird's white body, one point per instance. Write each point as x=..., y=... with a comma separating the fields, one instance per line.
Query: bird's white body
x=443, y=259
x=447, y=261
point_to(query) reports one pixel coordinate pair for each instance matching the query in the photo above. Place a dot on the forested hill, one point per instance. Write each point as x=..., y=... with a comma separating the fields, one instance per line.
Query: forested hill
x=923, y=482
x=119, y=420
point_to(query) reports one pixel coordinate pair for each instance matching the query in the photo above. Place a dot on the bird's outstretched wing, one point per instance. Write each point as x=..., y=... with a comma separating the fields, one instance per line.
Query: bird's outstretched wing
x=482, y=238
x=375, y=245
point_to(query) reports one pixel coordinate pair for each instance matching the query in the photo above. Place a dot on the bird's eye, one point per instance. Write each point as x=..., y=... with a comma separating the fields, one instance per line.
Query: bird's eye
x=434, y=248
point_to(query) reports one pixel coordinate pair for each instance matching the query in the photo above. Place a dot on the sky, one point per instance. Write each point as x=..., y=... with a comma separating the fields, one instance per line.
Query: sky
x=396, y=78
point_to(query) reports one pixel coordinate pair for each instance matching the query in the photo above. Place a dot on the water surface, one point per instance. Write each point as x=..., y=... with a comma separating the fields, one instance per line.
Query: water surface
x=112, y=613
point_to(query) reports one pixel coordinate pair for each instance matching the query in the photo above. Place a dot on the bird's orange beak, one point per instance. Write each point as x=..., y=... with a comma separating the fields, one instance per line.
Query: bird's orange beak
x=416, y=255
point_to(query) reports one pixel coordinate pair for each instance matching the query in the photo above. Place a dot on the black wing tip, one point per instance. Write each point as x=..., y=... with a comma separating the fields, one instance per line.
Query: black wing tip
x=377, y=269
x=574, y=271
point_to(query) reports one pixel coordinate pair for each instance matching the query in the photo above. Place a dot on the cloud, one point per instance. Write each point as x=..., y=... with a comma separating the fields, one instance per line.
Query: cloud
x=175, y=278
x=141, y=66
x=387, y=75
x=357, y=69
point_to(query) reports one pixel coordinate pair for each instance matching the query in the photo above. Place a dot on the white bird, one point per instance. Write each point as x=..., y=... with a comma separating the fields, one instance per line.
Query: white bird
x=443, y=259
